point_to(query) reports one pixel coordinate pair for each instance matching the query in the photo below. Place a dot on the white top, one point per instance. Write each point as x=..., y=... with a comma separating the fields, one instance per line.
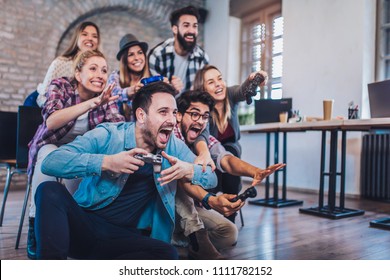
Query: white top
x=60, y=67
x=80, y=127
x=181, y=65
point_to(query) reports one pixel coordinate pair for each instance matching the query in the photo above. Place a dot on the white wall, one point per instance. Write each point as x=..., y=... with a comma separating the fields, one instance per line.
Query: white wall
x=216, y=33
x=329, y=52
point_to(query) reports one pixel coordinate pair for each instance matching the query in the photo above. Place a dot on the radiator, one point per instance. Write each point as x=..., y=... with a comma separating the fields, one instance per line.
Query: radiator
x=375, y=167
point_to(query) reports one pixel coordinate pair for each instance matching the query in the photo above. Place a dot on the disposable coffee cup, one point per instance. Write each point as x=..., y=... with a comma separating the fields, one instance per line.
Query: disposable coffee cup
x=283, y=116
x=328, y=109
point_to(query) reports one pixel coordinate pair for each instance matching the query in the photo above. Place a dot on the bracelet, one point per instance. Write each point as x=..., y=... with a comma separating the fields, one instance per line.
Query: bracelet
x=205, y=201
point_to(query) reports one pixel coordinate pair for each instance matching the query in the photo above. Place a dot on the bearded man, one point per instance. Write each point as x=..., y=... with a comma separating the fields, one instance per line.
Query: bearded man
x=180, y=57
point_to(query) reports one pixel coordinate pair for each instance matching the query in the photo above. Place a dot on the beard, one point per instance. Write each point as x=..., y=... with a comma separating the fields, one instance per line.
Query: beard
x=187, y=46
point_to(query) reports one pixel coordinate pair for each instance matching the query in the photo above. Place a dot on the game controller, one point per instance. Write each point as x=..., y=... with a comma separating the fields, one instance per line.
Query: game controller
x=250, y=192
x=251, y=89
x=152, y=79
x=156, y=160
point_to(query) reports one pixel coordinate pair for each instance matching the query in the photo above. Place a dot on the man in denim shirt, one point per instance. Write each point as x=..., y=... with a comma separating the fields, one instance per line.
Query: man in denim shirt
x=120, y=194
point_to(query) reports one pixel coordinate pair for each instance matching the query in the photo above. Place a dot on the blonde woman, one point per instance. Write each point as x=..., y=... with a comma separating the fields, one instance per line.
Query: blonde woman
x=74, y=105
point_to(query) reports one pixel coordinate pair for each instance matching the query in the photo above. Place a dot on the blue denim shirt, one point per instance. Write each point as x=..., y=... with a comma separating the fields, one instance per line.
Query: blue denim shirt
x=83, y=158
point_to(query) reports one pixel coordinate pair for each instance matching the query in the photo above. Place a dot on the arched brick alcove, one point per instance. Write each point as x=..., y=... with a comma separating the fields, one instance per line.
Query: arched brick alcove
x=34, y=32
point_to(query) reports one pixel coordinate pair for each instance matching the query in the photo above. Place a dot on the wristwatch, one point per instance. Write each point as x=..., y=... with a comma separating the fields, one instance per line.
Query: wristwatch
x=205, y=201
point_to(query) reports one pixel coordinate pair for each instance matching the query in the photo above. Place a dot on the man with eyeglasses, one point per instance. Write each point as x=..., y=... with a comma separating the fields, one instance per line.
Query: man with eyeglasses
x=193, y=115
x=124, y=208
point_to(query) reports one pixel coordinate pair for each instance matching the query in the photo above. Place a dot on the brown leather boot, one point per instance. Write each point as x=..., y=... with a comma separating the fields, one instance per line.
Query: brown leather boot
x=201, y=247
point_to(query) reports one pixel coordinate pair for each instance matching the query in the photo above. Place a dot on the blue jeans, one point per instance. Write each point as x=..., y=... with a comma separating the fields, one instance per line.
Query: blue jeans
x=64, y=229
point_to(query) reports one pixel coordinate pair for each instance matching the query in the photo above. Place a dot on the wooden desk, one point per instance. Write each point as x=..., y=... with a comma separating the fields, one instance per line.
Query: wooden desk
x=332, y=127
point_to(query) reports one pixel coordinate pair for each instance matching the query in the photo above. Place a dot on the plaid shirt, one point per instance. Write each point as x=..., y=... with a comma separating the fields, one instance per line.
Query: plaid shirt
x=123, y=98
x=62, y=93
x=161, y=61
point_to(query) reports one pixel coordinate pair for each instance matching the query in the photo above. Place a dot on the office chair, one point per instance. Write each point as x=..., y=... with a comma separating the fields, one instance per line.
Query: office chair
x=8, y=124
x=28, y=120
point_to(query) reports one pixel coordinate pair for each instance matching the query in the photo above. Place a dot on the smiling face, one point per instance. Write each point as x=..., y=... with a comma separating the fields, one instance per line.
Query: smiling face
x=189, y=127
x=135, y=59
x=186, y=32
x=93, y=75
x=158, y=122
x=88, y=39
x=215, y=85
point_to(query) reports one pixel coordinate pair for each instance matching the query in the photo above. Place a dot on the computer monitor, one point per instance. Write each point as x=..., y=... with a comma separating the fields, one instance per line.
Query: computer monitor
x=267, y=110
x=379, y=98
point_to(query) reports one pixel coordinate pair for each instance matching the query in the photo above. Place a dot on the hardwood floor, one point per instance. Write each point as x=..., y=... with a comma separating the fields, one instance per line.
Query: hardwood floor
x=269, y=233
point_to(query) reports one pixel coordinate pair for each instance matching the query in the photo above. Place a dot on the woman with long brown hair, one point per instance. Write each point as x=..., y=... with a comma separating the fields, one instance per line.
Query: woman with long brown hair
x=85, y=37
x=224, y=124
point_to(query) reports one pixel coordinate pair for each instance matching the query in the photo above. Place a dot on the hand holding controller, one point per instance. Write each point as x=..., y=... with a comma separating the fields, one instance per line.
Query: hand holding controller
x=250, y=192
x=251, y=89
x=152, y=79
x=156, y=160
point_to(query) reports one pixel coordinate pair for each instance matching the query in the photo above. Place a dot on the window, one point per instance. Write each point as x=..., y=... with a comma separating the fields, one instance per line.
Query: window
x=262, y=48
x=383, y=34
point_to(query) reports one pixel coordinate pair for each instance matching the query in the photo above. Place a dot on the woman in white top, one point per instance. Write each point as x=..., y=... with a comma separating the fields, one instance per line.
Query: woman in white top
x=86, y=37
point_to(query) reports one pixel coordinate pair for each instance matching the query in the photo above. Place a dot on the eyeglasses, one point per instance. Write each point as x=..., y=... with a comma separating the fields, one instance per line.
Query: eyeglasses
x=195, y=116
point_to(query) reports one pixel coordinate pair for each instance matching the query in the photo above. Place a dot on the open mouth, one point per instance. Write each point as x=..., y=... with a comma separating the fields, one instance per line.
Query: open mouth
x=193, y=132
x=97, y=84
x=219, y=91
x=164, y=134
x=189, y=37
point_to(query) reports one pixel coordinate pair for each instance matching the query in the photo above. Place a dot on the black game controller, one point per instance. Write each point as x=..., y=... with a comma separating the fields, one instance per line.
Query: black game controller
x=152, y=79
x=251, y=89
x=250, y=192
x=156, y=160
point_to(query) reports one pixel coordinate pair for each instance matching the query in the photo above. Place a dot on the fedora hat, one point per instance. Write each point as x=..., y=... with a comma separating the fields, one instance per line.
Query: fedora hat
x=130, y=40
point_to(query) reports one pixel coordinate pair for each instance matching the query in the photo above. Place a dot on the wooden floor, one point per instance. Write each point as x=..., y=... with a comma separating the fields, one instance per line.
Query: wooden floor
x=269, y=233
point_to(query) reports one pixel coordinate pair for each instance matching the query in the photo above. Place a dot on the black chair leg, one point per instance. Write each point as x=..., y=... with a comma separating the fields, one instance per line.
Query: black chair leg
x=26, y=196
x=242, y=218
x=6, y=190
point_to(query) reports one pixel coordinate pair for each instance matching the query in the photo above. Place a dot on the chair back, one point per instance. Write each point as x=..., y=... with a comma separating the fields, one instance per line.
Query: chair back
x=29, y=118
x=8, y=122
x=31, y=99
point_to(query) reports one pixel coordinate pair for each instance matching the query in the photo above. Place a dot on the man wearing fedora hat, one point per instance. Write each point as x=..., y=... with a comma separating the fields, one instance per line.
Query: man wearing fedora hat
x=132, y=68
x=180, y=56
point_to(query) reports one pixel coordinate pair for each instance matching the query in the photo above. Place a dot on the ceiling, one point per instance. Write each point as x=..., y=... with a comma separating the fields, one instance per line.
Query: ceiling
x=240, y=8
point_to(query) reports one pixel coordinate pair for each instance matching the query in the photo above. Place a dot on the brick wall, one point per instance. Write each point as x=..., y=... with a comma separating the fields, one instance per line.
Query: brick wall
x=34, y=32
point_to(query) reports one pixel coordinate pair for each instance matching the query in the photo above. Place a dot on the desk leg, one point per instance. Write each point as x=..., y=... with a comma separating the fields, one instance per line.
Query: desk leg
x=267, y=163
x=331, y=211
x=383, y=223
x=284, y=189
x=332, y=170
x=342, y=177
x=322, y=171
x=276, y=160
x=276, y=202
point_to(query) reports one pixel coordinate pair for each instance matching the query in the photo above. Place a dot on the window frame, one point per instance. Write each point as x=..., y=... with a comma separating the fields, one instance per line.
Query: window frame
x=266, y=17
x=383, y=39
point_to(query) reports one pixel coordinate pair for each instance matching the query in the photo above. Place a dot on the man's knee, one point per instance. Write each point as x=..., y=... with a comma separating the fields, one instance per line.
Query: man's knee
x=224, y=235
x=49, y=191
